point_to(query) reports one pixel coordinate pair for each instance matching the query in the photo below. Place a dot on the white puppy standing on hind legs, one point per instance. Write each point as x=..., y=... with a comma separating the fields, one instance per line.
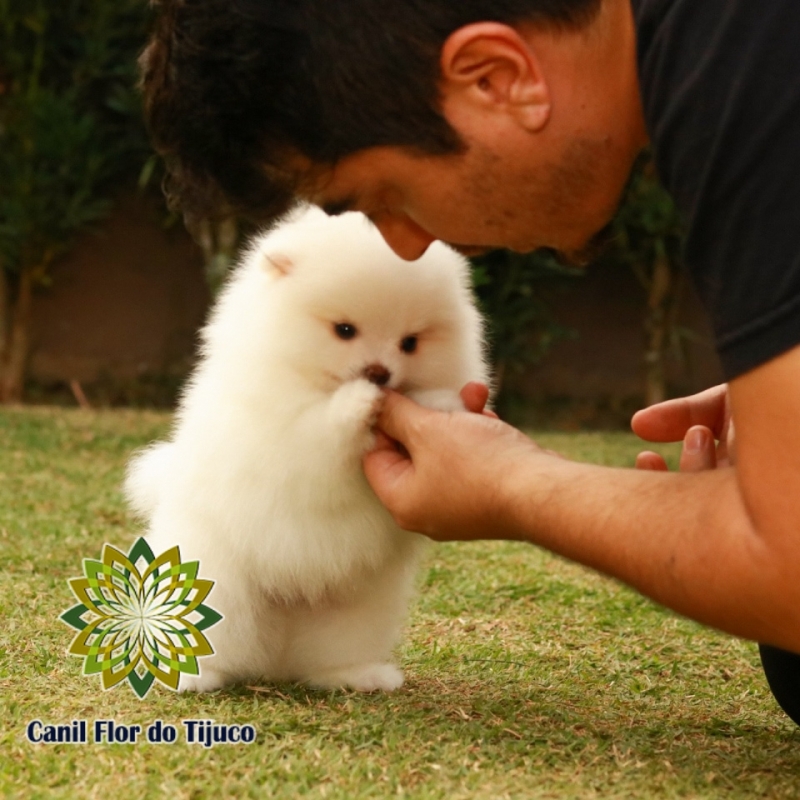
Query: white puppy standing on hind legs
x=261, y=480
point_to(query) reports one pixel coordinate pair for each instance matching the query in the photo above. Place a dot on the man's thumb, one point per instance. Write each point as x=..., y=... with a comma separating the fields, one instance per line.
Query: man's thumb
x=398, y=416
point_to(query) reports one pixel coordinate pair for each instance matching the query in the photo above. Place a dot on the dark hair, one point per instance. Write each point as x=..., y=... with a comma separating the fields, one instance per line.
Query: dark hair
x=234, y=88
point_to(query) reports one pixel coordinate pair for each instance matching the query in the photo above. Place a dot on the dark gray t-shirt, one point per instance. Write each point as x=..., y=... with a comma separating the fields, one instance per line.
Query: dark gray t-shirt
x=720, y=82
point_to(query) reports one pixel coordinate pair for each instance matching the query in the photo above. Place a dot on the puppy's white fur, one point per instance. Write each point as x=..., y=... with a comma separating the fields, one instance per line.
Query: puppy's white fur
x=262, y=478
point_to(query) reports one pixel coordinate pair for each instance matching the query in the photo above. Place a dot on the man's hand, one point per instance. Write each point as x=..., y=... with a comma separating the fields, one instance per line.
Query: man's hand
x=700, y=421
x=446, y=477
x=717, y=545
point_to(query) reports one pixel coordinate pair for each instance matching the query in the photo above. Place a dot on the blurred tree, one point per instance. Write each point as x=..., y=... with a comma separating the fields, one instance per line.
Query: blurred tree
x=515, y=292
x=70, y=128
x=647, y=236
x=220, y=238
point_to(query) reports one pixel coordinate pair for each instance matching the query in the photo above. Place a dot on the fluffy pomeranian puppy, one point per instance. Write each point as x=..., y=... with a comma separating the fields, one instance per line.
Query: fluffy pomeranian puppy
x=262, y=481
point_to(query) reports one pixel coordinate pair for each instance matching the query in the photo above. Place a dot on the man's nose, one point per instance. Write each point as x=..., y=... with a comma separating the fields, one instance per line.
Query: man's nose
x=404, y=236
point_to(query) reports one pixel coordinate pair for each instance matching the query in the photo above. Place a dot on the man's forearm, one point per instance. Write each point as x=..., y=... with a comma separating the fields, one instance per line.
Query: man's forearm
x=685, y=540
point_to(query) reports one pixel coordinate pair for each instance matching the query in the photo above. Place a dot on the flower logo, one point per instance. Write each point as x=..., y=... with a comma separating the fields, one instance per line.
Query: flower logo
x=140, y=618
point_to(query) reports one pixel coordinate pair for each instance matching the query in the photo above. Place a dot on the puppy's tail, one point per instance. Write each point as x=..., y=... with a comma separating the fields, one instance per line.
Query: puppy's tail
x=145, y=478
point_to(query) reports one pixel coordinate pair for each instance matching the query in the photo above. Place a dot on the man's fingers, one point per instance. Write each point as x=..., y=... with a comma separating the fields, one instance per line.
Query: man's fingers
x=652, y=461
x=474, y=396
x=384, y=467
x=669, y=421
x=383, y=442
x=699, y=450
x=699, y=453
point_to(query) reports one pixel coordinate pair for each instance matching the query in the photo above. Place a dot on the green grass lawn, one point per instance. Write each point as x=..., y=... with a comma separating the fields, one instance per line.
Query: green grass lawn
x=526, y=676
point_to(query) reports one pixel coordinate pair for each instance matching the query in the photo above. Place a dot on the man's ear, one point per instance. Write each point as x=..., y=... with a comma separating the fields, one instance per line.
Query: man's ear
x=490, y=67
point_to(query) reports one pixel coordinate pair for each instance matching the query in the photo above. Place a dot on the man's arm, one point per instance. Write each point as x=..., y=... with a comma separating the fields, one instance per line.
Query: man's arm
x=720, y=546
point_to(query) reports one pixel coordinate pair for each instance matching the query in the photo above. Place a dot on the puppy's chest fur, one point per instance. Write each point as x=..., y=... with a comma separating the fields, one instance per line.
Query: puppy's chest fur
x=287, y=498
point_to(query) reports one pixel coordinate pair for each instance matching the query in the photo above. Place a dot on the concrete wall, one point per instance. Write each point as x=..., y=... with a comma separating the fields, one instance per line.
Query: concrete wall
x=606, y=308
x=127, y=301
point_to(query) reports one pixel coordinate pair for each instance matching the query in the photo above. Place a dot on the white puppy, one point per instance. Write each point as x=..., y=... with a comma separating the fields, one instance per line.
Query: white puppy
x=262, y=478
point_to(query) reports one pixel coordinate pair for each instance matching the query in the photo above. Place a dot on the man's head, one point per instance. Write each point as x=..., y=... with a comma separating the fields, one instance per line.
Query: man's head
x=410, y=111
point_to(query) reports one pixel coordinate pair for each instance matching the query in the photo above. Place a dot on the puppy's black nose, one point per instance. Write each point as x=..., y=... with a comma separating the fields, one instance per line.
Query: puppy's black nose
x=378, y=374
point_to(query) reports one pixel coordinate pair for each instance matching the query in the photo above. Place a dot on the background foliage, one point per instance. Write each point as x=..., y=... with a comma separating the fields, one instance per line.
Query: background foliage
x=647, y=237
x=70, y=130
x=516, y=293
x=71, y=134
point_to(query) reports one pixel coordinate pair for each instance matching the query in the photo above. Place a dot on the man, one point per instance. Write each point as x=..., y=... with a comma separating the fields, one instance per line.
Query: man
x=514, y=123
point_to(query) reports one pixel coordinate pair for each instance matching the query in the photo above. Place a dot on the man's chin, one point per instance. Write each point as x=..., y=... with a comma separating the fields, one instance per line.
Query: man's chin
x=470, y=251
x=570, y=257
x=583, y=256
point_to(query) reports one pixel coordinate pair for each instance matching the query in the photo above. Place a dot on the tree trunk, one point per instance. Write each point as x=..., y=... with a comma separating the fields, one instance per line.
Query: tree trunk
x=5, y=313
x=17, y=344
x=657, y=323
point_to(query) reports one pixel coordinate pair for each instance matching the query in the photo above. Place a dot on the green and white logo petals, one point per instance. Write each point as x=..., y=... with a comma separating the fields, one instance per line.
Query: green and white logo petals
x=140, y=618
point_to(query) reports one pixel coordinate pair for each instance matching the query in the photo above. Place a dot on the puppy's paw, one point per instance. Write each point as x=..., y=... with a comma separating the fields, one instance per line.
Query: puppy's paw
x=355, y=404
x=438, y=399
x=374, y=677
x=208, y=680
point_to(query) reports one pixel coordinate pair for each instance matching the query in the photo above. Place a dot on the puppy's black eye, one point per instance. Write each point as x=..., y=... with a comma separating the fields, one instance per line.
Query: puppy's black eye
x=344, y=330
x=409, y=344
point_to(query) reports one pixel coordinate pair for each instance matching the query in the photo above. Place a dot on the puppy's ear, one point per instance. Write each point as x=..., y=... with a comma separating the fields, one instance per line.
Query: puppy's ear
x=278, y=263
